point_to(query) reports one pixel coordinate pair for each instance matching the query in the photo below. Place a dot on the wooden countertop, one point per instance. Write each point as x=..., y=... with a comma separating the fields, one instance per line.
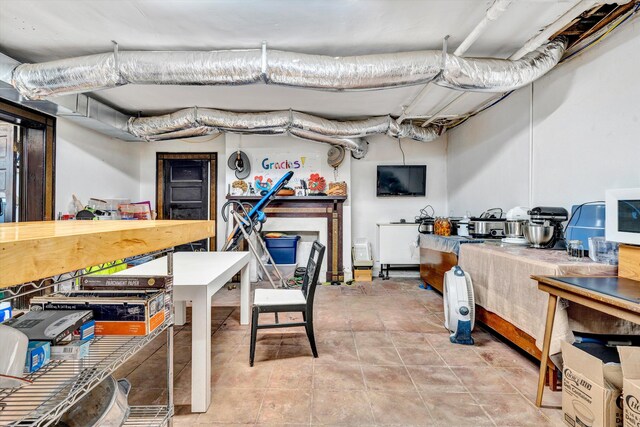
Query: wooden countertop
x=34, y=250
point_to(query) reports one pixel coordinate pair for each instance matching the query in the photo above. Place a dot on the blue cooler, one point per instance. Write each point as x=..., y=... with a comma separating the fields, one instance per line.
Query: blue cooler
x=586, y=221
x=282, y=249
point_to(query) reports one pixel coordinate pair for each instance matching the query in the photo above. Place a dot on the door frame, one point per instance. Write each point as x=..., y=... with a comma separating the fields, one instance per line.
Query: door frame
x=213, y=179
x=37, y=195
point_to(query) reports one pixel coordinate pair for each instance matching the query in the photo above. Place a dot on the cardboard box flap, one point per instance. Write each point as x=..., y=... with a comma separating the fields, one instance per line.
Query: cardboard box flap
x=613, y=374
x=591, y=367
x=630, y=359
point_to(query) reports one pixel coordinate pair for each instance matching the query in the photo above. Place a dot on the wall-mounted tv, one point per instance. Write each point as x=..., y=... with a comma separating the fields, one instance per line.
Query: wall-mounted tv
x=402, y=180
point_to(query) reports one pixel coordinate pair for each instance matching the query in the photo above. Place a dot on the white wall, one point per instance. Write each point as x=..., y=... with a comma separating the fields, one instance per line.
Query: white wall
x=207, y=144
x=488, y=158
x=581, y=139
x=283, y=146
x=368, y=209
x=89, y=164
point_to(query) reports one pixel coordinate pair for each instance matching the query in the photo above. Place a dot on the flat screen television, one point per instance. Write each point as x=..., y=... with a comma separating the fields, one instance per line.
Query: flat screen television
x=402, y=180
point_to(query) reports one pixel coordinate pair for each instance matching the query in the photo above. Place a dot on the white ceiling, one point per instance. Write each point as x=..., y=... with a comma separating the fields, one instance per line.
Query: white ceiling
x=41, y=30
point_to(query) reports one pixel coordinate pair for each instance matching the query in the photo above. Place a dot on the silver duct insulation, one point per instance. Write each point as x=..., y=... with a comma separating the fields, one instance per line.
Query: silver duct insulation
x=200, y=121
x=240, y=67
x=500, y=75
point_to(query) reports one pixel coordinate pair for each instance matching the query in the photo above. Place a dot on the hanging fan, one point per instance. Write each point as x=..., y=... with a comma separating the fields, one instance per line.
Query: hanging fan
x=335, y=156
x=239, y=162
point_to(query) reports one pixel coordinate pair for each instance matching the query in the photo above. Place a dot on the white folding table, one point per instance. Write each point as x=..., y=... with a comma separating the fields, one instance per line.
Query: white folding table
x=196, y=277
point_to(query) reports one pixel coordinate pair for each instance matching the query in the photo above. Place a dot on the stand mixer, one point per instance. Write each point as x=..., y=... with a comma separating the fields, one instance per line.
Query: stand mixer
x=553, y=217
x=513, y=229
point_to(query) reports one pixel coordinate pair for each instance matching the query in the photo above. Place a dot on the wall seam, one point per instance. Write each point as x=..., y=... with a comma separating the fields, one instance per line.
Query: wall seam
x=531, y=147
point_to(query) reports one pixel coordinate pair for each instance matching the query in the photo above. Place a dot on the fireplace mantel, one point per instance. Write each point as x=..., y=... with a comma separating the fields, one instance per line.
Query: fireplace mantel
x=325, y=199
x=329, y=207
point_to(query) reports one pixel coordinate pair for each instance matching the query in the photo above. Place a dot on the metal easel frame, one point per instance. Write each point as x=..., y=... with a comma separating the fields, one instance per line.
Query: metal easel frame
x=240, y=222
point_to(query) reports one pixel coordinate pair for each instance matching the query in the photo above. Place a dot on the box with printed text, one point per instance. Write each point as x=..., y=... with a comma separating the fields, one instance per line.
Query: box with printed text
x=589, y=398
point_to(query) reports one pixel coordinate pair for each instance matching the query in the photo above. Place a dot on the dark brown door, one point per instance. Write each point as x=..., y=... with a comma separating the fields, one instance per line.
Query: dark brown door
x=7, y=173
x=186, y=194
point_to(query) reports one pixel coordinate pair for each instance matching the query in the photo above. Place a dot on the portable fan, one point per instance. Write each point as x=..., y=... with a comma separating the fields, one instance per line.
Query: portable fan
x=459, y=306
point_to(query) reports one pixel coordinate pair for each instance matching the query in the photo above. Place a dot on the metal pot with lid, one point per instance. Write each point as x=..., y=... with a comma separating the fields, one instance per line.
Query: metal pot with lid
x=489, y=224
x=482, y=227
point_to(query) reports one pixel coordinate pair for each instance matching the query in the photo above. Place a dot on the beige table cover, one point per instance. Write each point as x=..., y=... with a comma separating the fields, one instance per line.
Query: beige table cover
x=502, y=284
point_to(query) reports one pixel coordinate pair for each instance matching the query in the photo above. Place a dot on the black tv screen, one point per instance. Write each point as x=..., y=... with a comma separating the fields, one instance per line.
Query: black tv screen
x=402, y=180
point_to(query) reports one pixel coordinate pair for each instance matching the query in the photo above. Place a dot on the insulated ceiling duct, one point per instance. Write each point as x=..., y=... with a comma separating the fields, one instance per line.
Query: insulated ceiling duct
x=241, y=67
x=349, y=134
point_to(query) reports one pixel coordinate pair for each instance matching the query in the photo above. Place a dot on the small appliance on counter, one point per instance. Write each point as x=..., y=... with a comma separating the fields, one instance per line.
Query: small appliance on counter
x=462, y=227
x=513, y=228
x=426, y=220
x=489, y=225
x=544, y=230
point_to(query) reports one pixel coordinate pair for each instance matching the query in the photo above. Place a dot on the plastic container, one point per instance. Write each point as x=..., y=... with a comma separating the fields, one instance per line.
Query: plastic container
x=361, y=250
x=283, y=249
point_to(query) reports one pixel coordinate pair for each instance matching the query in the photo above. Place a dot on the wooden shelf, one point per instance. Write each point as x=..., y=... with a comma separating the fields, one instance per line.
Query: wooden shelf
x=34, y=250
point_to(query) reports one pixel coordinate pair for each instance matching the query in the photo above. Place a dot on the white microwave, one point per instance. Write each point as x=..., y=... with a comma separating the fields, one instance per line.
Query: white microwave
x=623, y=216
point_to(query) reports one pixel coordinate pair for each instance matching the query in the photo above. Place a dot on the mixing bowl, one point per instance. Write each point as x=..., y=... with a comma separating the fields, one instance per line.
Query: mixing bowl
x=513, y=228
x=537, y=234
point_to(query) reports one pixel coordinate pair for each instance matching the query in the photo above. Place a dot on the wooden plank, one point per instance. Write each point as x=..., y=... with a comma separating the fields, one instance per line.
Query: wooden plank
x=33, y=250
x=629, y=262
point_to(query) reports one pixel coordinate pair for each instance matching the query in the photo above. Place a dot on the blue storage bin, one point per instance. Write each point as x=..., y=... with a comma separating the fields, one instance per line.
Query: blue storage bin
x=282, y=249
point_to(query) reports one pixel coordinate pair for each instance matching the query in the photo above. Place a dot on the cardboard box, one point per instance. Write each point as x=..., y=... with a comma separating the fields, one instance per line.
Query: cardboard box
x=135, y=313
x=362, y=275
x=588, y=398
x=118, y=282
x=85, y=332
x=38, y=355
x=54, y=326
x=630, y=359
x=75, y=350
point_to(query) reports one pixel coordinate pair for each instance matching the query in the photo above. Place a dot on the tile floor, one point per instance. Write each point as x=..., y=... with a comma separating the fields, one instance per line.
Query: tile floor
x=385, y=359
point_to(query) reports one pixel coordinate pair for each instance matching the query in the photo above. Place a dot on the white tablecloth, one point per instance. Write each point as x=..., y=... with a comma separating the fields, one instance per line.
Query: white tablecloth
x=502, y=285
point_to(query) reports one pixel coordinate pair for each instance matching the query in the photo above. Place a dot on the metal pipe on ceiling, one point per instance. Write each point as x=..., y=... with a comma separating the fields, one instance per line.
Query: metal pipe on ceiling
x=241, y=67
x=533, y=43
x=349, y=134
x=497, y=8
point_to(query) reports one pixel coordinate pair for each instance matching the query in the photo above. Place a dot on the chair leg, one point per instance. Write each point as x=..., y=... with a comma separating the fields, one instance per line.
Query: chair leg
x=309, y=328
x=254, y=332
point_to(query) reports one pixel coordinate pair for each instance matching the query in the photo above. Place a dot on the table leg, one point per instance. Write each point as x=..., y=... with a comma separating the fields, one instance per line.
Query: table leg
x=201, y=353
x=551, y=314
x=245, y=295
x=180, y=313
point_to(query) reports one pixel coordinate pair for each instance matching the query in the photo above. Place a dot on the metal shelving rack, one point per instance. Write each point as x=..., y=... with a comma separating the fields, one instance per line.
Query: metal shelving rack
x=60, y=384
